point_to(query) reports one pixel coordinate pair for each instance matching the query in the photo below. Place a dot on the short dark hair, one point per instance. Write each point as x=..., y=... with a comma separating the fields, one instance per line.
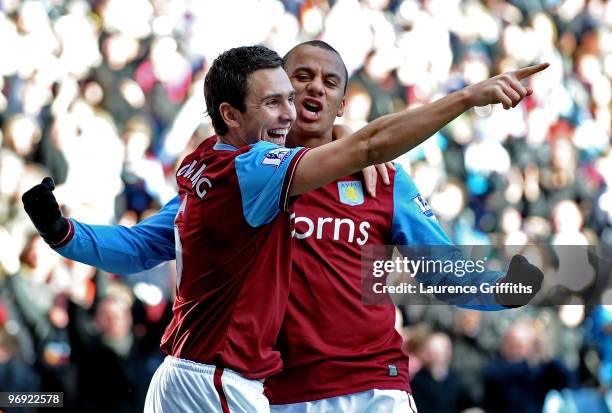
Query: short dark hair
x=226, y=80
x=321, y=45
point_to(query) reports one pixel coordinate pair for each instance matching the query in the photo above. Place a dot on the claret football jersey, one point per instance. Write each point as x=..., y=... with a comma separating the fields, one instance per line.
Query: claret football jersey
x=233, y=241
x=331, y=342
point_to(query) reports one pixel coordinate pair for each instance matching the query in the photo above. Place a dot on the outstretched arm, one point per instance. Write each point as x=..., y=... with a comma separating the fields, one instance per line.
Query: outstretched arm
x=387, y=137
x=115, y=248
x=417, y=231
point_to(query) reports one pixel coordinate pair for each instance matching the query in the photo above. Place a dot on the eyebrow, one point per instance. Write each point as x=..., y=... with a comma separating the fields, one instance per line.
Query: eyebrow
x=276, y=96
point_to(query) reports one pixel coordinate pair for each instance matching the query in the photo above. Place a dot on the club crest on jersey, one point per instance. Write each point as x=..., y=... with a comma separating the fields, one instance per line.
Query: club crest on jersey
x=275, y=156
x=423, y=205
x=351, y=192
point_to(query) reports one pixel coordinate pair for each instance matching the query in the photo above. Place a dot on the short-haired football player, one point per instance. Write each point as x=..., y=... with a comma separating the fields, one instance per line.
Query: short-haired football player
x=230, y=300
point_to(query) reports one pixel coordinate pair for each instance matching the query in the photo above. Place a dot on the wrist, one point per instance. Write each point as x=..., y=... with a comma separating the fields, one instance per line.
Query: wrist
x=59, y=234
x=466, y=97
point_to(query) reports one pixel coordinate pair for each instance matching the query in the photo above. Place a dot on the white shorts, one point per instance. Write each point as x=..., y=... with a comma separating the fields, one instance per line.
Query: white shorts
x=185, y=386
x=370, y=401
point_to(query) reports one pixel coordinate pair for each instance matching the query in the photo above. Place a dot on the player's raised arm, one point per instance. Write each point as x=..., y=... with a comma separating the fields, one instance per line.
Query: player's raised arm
x=112, y=248
x=389, y=136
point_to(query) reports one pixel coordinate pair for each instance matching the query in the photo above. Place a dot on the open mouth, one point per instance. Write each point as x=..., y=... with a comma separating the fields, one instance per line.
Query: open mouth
x=312, y=107
x=278, y=136
x=310, y=111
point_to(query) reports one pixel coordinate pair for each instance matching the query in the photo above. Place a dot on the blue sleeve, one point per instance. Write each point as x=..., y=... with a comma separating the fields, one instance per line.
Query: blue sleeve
x=264, y=175
x=122, y=250
x=415, y=226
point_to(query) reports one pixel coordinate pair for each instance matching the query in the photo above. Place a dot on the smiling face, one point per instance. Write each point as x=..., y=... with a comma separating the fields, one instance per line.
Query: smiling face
x=269, y=108
x=319, y=77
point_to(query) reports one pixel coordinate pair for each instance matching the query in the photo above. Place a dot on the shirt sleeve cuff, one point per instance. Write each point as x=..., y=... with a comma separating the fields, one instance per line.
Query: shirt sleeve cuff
x=67, y=238
x=284, y=198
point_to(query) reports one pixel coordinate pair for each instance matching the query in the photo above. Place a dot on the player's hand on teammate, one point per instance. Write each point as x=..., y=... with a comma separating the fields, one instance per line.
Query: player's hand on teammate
x=371, y=174
x=520, y=273
x=44, y=211
x=505, y=88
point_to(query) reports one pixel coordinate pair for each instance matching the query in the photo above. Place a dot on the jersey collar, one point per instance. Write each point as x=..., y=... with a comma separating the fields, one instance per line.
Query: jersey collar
x=219, y=146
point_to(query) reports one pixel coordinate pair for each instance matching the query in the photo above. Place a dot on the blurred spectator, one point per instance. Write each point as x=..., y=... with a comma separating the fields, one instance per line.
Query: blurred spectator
x=414, y=340
x=108, y=353
x=525, y=373
x=473, y=348
x=436, y=387
x=52, y=348
x=15, y=374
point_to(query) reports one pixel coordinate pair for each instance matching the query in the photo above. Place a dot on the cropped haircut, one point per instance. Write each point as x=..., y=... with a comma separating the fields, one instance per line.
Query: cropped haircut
x=227, y=79
x=321, y=45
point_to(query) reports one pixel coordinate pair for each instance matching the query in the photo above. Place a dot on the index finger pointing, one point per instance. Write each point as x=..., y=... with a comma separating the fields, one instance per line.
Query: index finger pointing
x=530, y=70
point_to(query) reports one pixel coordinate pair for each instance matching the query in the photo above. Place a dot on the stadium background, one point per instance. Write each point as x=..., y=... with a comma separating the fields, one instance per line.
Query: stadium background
x=106, y=96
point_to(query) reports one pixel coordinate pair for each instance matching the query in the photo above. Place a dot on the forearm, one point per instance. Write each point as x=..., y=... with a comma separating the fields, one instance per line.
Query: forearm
x=459, y=283
x=388, y=137
x=382, y=140
x=122, y=250
x=117, y=249
x=393, y=135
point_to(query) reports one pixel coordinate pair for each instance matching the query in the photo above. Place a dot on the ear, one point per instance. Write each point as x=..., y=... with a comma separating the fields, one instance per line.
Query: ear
x=229, y=115
x=340, y=111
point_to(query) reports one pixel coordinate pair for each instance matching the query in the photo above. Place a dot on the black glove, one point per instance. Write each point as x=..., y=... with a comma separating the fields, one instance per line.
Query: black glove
x=512, y=289
x=40, y=204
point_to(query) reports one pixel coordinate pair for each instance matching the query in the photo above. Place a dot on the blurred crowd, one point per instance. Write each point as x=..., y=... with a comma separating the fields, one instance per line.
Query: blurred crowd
x=106, y=97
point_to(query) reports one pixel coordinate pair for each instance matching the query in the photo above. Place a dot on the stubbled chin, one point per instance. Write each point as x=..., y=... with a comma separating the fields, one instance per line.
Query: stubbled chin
x=308, y=127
